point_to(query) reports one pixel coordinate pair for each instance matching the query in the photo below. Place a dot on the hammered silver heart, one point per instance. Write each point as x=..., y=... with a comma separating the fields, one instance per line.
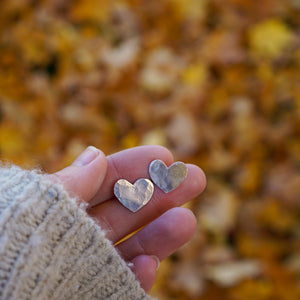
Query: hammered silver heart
x=134, y=196
x=167, y=178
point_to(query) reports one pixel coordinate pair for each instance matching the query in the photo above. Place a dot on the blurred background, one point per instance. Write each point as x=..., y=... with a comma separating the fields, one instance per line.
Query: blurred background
x=217, y=82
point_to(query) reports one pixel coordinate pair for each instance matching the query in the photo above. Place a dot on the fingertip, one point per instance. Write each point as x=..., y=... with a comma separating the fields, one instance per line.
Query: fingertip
x=84, y=176
x=152, y=152
x=86, y=157
x=163, y=153
x=187, y=218
x=144, y=268
x=92, y=173
x=169, y=220
x=197, y=178
x=101, y=163
x=163, y=236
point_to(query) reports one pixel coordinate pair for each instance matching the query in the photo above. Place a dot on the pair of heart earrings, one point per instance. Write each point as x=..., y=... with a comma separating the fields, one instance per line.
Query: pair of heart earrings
x=135, y=196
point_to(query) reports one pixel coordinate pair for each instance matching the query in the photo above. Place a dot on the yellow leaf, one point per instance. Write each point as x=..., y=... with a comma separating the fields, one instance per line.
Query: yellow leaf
x=250, y=289
x=91, y=10
x=194, y=75
x=11, y=140
x=270, y=38
x=130, y=140
x=13, y=146
x=191, y=9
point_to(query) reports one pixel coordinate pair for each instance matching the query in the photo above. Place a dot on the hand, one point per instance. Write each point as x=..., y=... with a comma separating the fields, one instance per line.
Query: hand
x=92, y=177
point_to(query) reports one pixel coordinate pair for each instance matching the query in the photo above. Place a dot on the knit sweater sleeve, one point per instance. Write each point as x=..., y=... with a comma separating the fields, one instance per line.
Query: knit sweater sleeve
x=51, y=249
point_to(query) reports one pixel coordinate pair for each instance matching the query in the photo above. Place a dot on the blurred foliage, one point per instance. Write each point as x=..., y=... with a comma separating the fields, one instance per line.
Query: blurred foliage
x=216, y=82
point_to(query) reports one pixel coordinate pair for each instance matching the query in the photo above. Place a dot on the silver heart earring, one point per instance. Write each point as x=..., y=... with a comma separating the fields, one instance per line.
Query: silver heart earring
x=167, y=178
x=134, y=196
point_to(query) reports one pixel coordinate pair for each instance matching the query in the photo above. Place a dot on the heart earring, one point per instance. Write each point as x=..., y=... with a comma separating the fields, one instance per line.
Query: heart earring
x=134, y=196
x=167, y=178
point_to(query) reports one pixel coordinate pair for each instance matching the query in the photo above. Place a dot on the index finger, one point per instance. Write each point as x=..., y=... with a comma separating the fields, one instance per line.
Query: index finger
x=130, y=164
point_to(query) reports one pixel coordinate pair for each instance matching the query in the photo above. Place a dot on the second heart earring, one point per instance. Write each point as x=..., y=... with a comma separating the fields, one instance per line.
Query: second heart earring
x=167, y=178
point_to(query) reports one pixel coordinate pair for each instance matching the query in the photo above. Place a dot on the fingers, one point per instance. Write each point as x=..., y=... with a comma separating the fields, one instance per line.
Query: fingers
x=129, y=164
x=118, y=221
x=161, y=237
x=84, y=177
x=145, y=267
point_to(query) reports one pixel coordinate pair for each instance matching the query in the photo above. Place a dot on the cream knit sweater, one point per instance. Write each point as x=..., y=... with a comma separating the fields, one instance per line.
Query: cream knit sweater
x=51, y=249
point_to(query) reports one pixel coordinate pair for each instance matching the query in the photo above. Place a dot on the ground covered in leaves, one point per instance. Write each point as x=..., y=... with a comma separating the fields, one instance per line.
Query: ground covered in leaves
x=218, y=82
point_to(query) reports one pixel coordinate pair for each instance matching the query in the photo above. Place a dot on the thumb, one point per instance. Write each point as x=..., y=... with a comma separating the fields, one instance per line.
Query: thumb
x=84, y=177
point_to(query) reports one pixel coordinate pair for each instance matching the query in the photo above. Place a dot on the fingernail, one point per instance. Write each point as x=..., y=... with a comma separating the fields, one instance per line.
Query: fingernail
x=157, y=261
x=87, y=156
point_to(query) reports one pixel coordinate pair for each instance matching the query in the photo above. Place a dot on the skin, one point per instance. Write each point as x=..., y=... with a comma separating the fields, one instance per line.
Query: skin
x=92, y=176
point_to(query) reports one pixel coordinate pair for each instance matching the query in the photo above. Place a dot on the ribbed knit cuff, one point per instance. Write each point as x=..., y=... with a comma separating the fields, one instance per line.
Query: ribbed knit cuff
x=51, y=249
